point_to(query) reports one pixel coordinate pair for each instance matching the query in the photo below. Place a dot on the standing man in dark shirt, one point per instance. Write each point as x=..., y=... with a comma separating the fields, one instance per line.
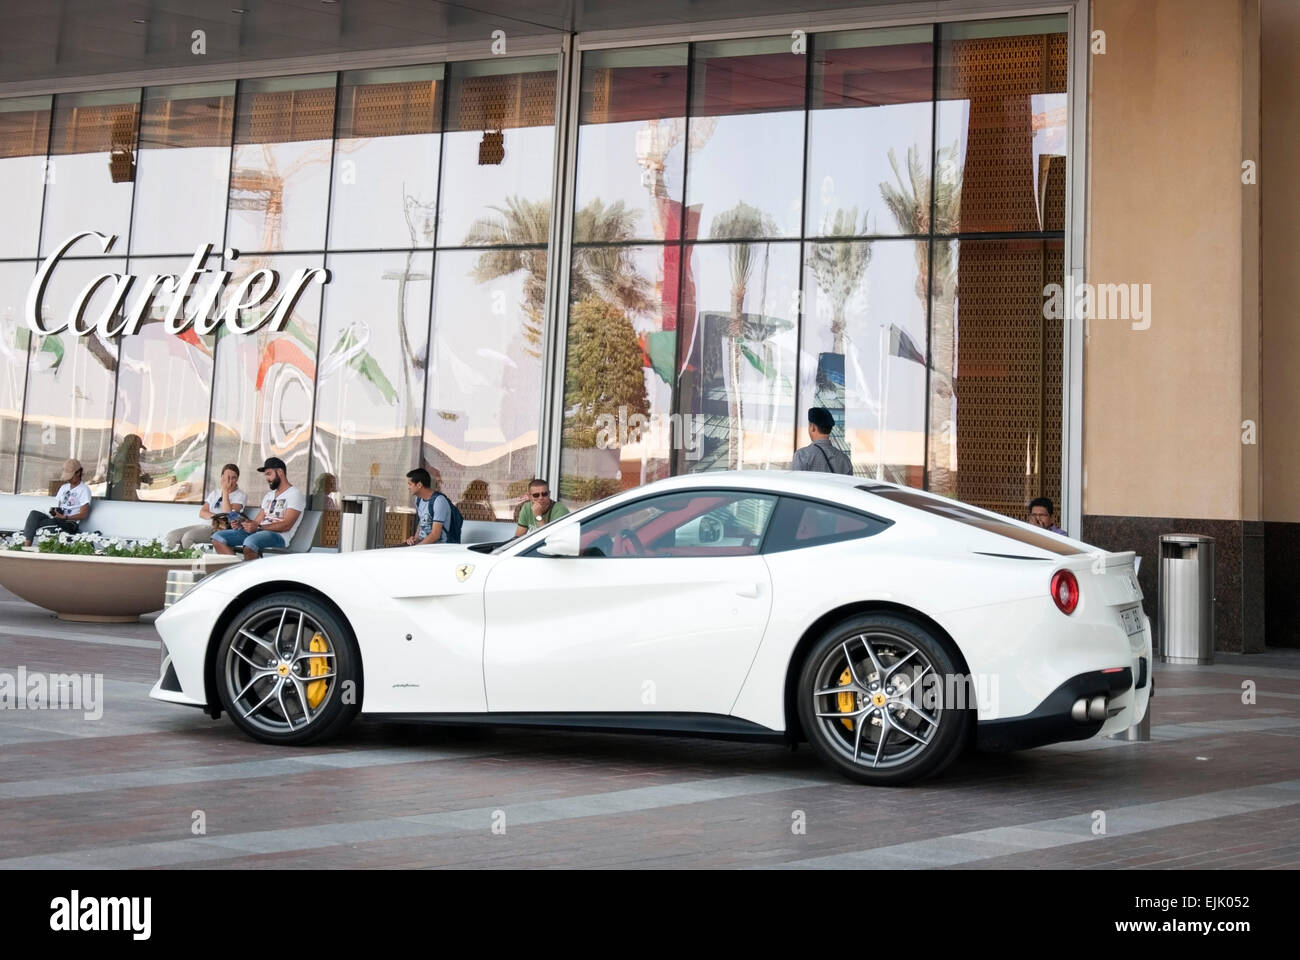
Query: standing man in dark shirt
x=821, y=455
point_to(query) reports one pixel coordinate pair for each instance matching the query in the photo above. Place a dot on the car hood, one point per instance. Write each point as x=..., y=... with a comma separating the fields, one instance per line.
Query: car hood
x=440, y=569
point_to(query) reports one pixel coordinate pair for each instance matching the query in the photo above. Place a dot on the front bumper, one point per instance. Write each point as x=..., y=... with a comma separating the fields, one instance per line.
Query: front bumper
x=184, y=629
x=1051, y=720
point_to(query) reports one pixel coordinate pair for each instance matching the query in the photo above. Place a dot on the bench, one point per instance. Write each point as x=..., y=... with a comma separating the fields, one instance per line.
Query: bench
x=143, y=519
x=112, y=518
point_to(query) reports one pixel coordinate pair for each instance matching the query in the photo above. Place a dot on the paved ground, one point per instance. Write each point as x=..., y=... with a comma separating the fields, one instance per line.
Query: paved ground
x=1218, y=786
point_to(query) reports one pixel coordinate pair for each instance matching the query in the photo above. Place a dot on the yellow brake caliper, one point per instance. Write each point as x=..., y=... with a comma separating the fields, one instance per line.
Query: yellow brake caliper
x=846, y=702
x=317, y=667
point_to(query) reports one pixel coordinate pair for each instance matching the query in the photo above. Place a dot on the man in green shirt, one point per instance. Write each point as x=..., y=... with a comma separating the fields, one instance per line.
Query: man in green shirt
x=539, y=509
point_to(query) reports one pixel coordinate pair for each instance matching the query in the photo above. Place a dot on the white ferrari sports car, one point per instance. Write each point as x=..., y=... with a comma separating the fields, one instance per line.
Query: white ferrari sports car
x=888, y=627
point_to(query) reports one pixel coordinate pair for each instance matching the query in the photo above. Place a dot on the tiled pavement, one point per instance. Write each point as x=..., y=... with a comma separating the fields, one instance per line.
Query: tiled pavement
x=1218, y=786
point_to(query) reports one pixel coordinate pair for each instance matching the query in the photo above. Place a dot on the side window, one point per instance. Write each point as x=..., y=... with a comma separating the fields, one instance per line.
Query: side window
x=699, y=523
x=808, y=523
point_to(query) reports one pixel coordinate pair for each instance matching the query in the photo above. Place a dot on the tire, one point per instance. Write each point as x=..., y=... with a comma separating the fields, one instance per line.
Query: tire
x=271, y=694
x=927, y=723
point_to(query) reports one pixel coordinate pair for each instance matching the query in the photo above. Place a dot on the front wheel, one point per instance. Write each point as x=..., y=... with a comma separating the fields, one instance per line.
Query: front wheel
x=882, y=702
x=288, y=670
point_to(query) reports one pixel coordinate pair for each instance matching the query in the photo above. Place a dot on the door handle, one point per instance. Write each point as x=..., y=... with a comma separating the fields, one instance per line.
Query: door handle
x=747, y=590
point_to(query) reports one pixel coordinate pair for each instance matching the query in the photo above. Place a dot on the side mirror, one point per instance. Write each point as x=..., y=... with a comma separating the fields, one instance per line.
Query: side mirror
x=563, y=542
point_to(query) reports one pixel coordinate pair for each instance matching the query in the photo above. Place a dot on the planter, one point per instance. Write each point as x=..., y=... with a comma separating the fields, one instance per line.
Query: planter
x=94, y=589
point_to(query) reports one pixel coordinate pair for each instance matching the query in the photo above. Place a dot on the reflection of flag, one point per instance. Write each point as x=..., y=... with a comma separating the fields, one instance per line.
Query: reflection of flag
x=901, y=345
x=660, y=352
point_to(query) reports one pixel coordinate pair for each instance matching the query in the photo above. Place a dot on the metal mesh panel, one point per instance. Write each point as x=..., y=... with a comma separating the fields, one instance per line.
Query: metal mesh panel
x=502, y=102
x=391, y=109
x=1008, y=374
x=94, y=129
x=285, y=116
x=24, y=133
x=998, y=76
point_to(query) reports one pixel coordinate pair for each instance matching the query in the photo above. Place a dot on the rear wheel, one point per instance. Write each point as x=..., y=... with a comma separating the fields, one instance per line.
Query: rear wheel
x=288, y=670
x=882, y=702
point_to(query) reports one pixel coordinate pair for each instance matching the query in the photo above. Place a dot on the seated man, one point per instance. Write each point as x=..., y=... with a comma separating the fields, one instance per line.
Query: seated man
x=72, y=507
x=227, y=501
x=432, y=507
x=539, y=508
x=274, y=524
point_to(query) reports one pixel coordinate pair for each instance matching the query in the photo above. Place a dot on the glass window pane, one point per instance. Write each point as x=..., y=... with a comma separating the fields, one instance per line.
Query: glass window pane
x=498, y=153
x=370, y=387
x=962, y=514
x=164, y=393
x=1001, y=126
x=805, y=523
x=711, y=523
x=279, y=182
x=744, y=170
x=15, y=278
x=184, y=159
x=863, y=352
x=70, y=383
x=995, y=400
x=483, y=409
x=264, y=382
x=24, y=138
x=92, y=170
x=631, y=144
x=869, y=133
x=619, y=431
x=736, y=368
x=386, y=159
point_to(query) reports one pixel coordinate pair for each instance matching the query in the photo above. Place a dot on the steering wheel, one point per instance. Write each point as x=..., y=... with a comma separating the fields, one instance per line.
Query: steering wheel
x=634, y=546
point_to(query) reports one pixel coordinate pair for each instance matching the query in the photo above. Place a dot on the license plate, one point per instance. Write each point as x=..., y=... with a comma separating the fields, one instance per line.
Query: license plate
x=1132, y=620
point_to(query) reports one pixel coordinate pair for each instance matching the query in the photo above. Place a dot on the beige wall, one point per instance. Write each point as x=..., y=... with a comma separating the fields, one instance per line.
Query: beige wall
x=1280, y=195
x=1163, y=406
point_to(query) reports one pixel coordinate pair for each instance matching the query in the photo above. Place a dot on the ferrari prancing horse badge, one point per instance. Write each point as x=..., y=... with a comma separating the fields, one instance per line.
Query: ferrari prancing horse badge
x=463, y=571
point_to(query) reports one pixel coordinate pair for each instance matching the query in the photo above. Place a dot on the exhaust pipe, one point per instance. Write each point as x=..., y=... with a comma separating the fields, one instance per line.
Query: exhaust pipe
x=1085, y=709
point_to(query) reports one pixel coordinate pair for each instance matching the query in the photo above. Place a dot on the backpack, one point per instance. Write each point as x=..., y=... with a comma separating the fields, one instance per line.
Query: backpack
x=455, y=521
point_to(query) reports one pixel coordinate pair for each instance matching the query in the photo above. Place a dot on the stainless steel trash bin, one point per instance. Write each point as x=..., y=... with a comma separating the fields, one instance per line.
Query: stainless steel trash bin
x=361, y=522
x=1186, y=598
x=178, y=583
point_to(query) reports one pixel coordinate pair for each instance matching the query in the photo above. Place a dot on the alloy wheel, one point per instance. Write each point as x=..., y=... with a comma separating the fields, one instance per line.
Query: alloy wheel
x=869, y=697
x=280, y=670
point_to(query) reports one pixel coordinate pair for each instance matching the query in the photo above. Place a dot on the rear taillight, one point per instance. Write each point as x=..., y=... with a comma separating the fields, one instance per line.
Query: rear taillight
x=1065, y=591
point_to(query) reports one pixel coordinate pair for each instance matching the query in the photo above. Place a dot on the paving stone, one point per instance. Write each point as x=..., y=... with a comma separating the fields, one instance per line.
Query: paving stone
x=1218, y=787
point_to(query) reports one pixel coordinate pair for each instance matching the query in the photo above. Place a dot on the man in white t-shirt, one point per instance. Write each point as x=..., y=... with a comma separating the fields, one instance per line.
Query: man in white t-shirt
x=274, y=524
x=227, y=501
x=72, y=507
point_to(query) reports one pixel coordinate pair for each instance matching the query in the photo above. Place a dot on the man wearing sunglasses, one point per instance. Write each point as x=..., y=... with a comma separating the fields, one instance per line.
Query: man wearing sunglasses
x=539, y=508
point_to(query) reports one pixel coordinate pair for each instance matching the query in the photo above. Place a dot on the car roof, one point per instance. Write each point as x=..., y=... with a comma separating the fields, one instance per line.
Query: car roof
x=861, y=493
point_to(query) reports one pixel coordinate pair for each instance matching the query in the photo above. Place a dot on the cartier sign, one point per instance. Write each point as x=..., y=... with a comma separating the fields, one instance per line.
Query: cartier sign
x=257, y=300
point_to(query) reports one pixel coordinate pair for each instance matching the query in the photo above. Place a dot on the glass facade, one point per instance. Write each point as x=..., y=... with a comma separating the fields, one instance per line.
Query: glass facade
x=866, y=228
x=864, y=225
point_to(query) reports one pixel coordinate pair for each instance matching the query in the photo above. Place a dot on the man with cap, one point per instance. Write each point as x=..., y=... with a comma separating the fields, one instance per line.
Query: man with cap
x=821, y=455
x=72, y=507
x=274, y=524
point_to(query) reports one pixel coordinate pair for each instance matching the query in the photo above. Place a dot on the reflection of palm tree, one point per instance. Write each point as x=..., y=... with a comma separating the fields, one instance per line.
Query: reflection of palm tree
x=742, y=220
x=608, y=271
x=521, y=230
x=838, y=268
x=910, y=203
x=518, y=223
